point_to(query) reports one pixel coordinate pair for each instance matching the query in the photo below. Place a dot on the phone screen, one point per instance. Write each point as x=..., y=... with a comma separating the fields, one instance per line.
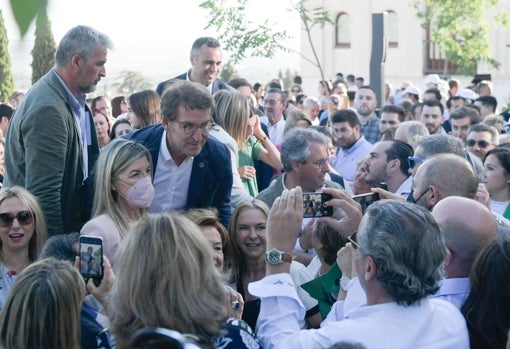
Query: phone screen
x=91, y=258
x=314, y=205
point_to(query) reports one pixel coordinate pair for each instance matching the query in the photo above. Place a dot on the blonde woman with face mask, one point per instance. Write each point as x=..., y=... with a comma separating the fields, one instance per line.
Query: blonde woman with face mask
x=123, y=192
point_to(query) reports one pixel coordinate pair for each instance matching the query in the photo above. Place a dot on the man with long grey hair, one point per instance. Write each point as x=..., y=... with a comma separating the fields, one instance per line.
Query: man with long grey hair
x=399, y=261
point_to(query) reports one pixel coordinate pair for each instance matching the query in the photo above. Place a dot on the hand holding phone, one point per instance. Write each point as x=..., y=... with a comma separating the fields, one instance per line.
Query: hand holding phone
x=91, y=258
x=314, y=205
x=366, y=200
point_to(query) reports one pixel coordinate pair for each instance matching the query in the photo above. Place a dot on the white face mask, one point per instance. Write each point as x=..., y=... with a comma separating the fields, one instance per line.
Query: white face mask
x=141, y=194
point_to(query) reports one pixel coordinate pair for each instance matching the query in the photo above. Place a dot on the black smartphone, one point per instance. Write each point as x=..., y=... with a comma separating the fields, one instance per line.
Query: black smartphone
x=314, y=205
x=366, y=200
x=91, y=258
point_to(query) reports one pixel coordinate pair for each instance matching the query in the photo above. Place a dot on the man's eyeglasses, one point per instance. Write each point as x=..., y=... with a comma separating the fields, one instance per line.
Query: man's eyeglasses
x=270, y=102
x=482, y=144
x=353, y=243
x=23, y=217
x=411, y=161
x=295, y=90
x=333, y=100
x=321, y=163
x=190, y=129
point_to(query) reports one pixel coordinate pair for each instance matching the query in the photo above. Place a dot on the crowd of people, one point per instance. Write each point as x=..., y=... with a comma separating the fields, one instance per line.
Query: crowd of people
x=230, y=213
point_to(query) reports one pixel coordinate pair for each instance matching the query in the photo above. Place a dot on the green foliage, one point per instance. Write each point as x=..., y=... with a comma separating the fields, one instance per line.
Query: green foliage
x=25, y=11
x=244, y=38
x=317, y=16
x=239, y=35
x=43, y=53
x=6, y=81
x=129, y=82
x=228, y=72
x=460, y=28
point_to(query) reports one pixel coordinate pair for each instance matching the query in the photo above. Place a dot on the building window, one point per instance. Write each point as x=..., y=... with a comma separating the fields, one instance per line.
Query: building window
x=343, y=30
x=392, y=28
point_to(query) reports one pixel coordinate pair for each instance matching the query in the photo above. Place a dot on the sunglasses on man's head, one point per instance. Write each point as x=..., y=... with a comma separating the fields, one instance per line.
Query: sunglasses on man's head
x=23, y=217
x=481, y=144
x=412, y=161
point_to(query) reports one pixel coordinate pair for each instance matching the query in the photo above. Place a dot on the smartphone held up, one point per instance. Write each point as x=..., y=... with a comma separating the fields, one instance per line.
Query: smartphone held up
x=91, y=258
x=314, y=205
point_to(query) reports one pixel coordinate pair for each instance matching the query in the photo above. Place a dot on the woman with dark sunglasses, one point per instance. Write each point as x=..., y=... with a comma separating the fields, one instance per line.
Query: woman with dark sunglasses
x=22, y=235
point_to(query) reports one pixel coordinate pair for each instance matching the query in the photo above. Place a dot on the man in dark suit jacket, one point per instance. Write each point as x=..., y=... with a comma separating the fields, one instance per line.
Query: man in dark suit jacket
x=191, y=170
x=51, y=143
x=206, y=59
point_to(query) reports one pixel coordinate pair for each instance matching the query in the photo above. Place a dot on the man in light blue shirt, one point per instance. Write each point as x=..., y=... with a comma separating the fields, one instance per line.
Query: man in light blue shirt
x=352, y=146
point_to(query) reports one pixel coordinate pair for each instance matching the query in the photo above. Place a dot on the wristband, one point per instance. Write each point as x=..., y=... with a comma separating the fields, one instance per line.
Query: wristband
x=262, y=140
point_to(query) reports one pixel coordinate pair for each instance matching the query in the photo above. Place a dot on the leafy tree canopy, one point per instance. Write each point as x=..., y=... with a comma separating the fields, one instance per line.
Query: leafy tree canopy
x=460, y=28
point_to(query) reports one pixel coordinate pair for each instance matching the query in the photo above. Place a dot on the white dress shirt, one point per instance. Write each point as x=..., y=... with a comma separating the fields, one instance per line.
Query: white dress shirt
x=171, y=182
x=454, y=290
x=275, y=130
x=405, y=187
x=433, y=323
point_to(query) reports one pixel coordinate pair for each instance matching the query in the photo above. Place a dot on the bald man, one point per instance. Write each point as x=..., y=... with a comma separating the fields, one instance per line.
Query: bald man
x=411, y=132
x=442, y=176
x=468, y=226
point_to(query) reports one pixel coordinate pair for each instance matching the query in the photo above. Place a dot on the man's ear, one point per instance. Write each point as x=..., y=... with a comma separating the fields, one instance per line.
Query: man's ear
x=165, y=123
x=394, y=165
x=295, y=165
x=449, y=257
x=370, y=269
x=75, y=60
x=435, y=197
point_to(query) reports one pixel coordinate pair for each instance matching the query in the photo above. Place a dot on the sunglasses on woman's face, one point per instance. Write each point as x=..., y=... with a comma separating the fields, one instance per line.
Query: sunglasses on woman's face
x=23, y=217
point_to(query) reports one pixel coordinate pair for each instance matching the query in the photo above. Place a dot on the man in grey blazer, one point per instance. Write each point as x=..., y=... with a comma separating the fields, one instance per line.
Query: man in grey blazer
x=51, y=143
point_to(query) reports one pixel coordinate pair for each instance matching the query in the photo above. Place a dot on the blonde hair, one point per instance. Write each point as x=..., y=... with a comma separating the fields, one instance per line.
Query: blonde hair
x=43, y=308
x=40, y=231
x=238, y=263
x=292, y=120
x=165, y=277
x=114, y=158
x=232, y=112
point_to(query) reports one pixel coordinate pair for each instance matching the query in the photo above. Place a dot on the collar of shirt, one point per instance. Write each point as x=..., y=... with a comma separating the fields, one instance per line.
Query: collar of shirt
x=278, y=124
x=77, y=103
x=405, y=187
x=453, y=286
x=354, y=147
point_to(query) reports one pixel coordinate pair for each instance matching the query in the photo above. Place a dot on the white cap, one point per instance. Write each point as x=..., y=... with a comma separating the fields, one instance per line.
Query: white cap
x=433, y=79
x=466, y=93
x=412, y=90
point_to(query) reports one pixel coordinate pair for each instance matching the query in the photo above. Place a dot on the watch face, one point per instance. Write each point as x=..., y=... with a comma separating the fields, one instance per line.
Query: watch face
x=274, y=257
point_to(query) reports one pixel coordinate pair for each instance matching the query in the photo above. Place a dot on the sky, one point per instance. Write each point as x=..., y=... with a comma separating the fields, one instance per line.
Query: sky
x=153, y=37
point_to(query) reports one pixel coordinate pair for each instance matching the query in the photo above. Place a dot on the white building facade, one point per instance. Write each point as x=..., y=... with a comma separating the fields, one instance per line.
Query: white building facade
x=346, y=46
